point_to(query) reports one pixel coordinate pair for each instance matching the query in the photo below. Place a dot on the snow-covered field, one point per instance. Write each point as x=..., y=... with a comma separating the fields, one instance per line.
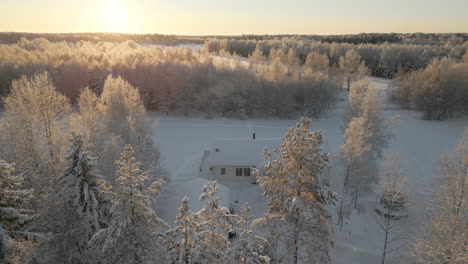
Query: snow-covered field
x=182, y=141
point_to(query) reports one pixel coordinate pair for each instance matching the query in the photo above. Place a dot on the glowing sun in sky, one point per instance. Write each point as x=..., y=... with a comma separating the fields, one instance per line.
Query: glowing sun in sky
x=114, y=16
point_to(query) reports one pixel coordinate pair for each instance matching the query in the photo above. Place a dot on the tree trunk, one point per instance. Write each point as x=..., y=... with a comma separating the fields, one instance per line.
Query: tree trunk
x=345, y=187
x=356, y=196
x=386, y=239
x=186, y=242
x=296, y=238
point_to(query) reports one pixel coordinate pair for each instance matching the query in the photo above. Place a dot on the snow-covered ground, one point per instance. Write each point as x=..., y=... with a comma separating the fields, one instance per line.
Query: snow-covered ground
x=182, y=141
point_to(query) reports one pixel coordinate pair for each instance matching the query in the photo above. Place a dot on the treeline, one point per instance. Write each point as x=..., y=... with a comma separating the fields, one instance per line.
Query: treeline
x=177, y=80
x=14, y=37
x=363, y=38
x=440, y=90
x=383, y=60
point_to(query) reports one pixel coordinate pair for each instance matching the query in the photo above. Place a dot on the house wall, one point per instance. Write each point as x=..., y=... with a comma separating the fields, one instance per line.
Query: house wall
x=231, y=174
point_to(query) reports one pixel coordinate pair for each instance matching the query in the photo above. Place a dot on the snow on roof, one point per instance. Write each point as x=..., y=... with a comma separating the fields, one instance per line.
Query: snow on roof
x=239, y=151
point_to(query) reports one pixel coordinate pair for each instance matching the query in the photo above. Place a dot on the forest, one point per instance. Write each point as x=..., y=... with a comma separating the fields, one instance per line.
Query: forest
x=82, y=177
x=297, y=77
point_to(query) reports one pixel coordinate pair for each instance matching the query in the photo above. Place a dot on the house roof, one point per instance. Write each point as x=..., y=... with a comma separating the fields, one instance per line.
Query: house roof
x=239, y=151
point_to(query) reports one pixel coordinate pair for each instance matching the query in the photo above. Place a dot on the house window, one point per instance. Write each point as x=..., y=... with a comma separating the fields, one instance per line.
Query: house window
x=238, y=171
x=246, y=171
x=223, y=171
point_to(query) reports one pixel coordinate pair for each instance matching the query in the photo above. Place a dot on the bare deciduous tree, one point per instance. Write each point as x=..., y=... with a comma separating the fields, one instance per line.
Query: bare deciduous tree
x=445, y=238
x=391, y=206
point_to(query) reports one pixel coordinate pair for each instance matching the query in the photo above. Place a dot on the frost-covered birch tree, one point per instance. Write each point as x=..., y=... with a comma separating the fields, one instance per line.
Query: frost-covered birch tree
x=297, y=222
x=364, y=101
x=36, y=118
x=355, y=151
x=317, y=62
x=391, y=208
x=445, y=238
x=113, y=119
x=352, y=66
x=135, y=233
x=373, y=129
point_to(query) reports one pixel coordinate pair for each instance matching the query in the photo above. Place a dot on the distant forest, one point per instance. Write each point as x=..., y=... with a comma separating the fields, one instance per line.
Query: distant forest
x=14, y=37
x=283, y=77
x=363, y=38
x=385, y=55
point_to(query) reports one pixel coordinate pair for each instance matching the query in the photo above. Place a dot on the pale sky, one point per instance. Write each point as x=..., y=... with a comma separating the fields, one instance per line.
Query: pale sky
x=219, y=17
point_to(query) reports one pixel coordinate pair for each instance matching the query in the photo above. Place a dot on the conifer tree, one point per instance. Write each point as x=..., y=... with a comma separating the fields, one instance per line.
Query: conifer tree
x=215, y=223
x=183, y=247
x=135, y=234
x=83, y=201
x=248, y=248
x=13, y=215
x=297, y=221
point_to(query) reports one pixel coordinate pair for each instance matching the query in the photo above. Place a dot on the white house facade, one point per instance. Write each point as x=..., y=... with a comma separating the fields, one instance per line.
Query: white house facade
x=234, y=160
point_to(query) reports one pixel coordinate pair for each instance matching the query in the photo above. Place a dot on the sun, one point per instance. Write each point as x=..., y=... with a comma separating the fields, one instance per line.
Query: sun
x=114, y=16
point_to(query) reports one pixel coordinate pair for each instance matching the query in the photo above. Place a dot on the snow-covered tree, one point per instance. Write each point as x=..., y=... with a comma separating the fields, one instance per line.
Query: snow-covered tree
x=83, y=203
x=35, y=121
x=183, y=245
x=355, y=152
x=257, y=55
x=248, y=248
x=352, y=66
x=297, y=223
x=292, y=59
x=367, y=134
x=89, y=121
x=135, y=233
x=445, y=237
x=125, y=122
x=364, y=101
x=392, y=205
x=317, y=62
x=13, y=213
x=215, y=223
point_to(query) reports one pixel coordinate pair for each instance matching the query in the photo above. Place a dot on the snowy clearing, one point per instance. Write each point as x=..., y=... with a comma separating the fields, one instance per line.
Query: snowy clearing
x=182, y=141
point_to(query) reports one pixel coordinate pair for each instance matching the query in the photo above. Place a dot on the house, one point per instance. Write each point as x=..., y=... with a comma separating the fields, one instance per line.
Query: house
x=233, y=159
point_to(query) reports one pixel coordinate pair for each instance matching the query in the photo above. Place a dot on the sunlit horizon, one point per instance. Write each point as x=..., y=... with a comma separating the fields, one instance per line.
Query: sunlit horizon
x=209, y=17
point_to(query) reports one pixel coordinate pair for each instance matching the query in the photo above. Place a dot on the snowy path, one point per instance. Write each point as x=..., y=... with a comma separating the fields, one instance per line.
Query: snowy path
x=182, y=141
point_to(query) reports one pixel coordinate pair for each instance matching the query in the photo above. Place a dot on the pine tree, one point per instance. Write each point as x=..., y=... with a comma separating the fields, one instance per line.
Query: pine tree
x=13, y=215
x=247, y=248
x=215, y=224
x=135, y=234
x=84, y=204
x=297, y=222
x=183, y=248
